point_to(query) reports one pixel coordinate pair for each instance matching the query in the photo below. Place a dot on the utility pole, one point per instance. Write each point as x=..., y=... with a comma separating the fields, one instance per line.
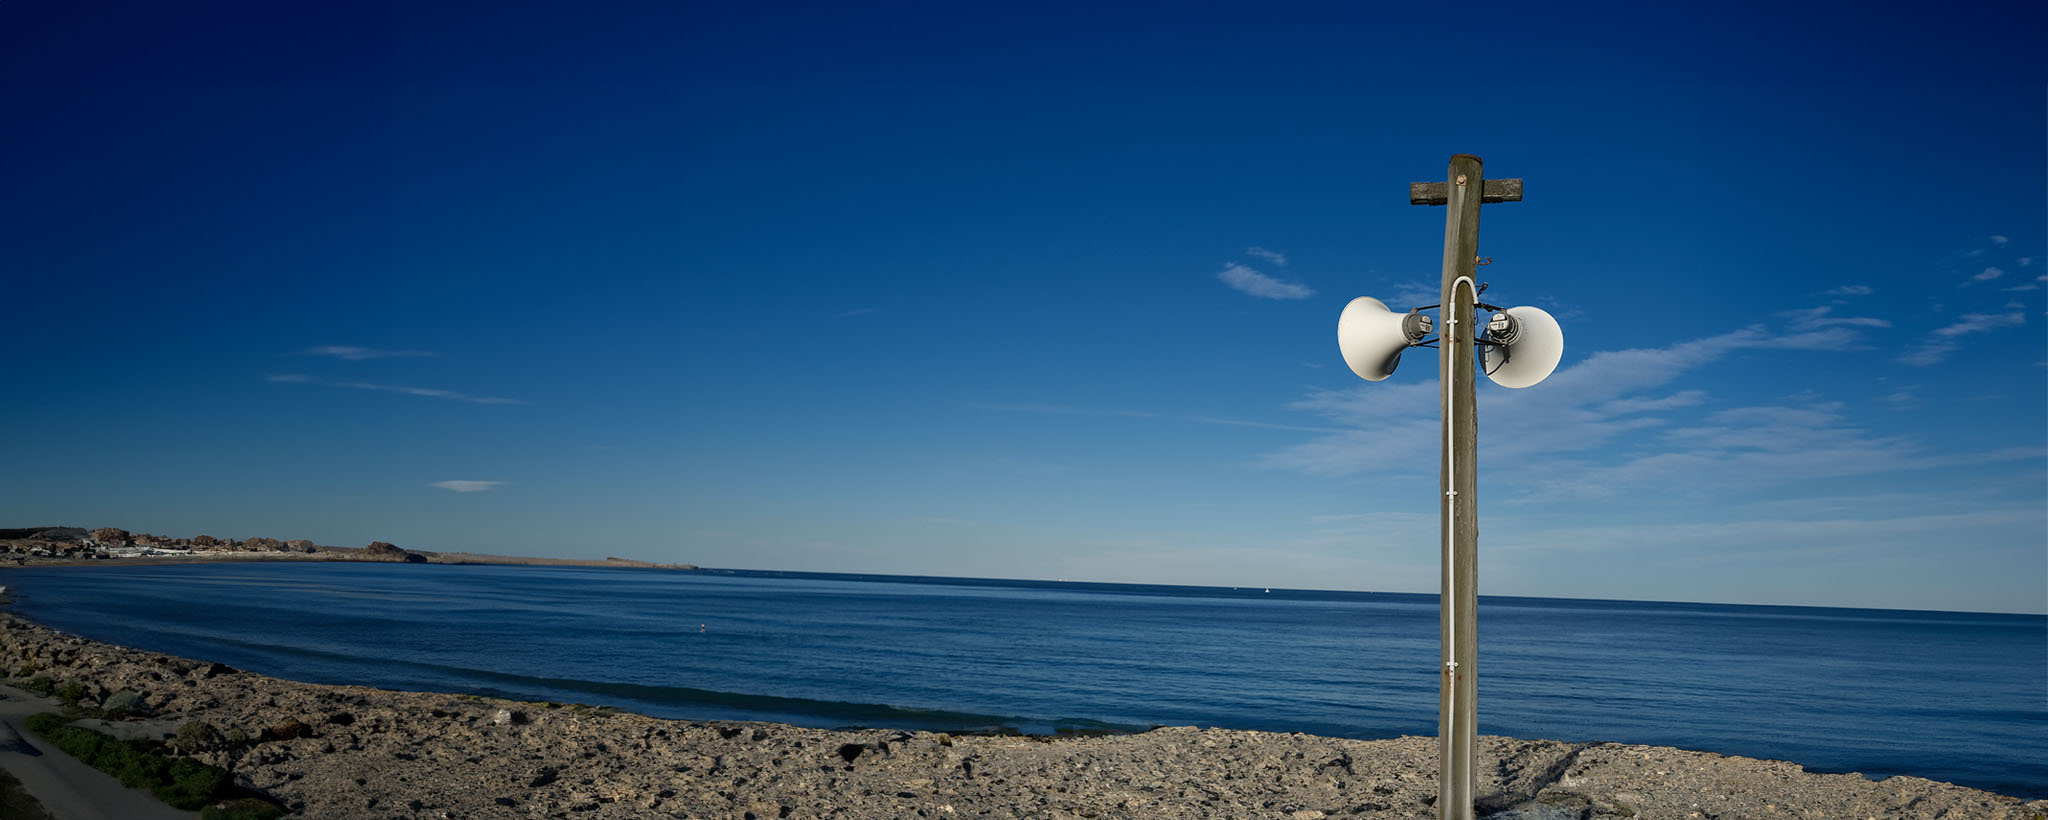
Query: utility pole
x=1457, y=709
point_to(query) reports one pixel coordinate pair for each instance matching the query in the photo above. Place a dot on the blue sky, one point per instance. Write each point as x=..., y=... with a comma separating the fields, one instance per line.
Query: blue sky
x=1037, y=290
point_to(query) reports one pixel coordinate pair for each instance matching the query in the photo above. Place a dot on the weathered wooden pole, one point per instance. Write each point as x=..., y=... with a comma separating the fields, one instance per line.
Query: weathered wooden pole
x=1457, y=708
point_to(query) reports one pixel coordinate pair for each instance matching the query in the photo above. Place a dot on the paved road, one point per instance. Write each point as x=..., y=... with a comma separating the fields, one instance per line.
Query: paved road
x=69, y=790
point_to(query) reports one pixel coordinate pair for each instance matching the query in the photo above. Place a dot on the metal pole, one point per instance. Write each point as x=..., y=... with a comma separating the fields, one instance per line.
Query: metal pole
x=1457, y=710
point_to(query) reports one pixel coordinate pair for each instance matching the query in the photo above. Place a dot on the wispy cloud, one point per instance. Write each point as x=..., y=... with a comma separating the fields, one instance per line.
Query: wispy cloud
x=1851, y=290
x=1414, y=293
x=1999, y=240
x=1061, y=410
x=1274, y=257
x=1944, y=341
x=350, y=353
x=860, y=311
x=1583, y=407
x=1263, y=425
x=1989, y=274
x=1258, y=284
x=295, y=378
x=1817, y=317
x=467, y=486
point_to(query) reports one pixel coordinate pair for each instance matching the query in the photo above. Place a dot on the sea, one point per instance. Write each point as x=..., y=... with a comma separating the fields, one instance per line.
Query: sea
x=1952, y=696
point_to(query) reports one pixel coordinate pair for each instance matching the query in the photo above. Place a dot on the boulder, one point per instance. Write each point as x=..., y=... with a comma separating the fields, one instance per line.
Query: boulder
x=110, y=537
x=124, y=703
x=261, y=544
x=205, y=541
x=300, y=545
x=288, y=730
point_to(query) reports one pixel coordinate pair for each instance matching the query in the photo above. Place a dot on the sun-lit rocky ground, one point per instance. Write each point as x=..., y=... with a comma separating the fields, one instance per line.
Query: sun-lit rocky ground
x=354, y=752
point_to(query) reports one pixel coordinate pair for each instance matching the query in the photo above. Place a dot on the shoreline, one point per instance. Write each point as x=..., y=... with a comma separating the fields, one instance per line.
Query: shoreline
x=443, y=558
x=352, y=752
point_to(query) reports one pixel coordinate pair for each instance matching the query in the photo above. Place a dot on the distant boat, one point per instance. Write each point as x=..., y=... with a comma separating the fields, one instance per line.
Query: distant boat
x=1269, y=590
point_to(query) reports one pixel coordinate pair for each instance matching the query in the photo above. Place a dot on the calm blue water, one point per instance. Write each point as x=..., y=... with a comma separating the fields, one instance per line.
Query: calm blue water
x=1951, y=696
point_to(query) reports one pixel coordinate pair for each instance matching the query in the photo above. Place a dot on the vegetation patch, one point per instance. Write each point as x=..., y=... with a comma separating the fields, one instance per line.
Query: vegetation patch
x=15, y=802
x=40, y=684
x=181, y=782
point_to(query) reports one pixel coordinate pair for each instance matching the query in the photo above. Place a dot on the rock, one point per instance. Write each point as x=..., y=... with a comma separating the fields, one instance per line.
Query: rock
x=300, y=545
x=110, y=537
x=123, y=703
x=260, y=544
x=205, y=541
x=512, y=717
x=288, y=730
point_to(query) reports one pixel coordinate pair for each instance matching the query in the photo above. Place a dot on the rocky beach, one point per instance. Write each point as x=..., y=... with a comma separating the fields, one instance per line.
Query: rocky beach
x=354, y=752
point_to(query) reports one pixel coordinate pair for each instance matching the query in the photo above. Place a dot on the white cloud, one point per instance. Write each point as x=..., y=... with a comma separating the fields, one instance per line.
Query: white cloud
x=1851, y=290
x=1745, y=447
x=467, y=486
x=2026, y=261
x=1258, y=284
x=350, y=353
x=1415, y=293
x=1943, y=341
x=1263, y=425
x=1988, y=275
x=2018, y=288
x=1582, y=408
x=1999, y=240
x=1274, y=257
x=1061, y=410
x=1393, y=425
x=296, y=378
x=1813, y=318
x=1682, y=398
x=1982, y=322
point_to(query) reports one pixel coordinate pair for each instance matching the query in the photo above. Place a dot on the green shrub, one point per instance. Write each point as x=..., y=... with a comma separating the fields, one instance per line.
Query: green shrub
x=71, y=692
x=181, y=782
x=41, y=685
x=198, y=736
x=247, y=808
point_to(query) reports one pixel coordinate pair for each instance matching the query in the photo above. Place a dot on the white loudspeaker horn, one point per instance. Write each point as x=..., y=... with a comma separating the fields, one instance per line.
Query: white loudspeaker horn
x=1527, y=346
x=1371, y=337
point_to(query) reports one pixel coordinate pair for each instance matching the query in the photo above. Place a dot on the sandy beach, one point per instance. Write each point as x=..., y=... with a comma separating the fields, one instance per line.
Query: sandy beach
x=355, y=752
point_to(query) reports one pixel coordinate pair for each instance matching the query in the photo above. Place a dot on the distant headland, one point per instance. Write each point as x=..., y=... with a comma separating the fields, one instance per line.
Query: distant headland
x=77, y=545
